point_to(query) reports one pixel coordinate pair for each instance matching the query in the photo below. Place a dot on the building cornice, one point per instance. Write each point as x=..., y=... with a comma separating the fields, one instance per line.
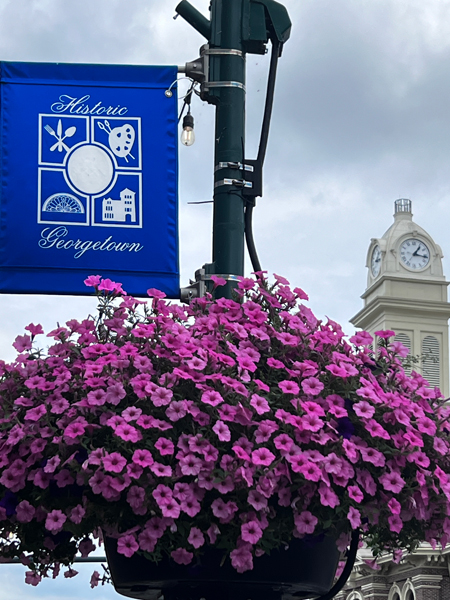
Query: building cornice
x=424, y=280
x=398, y=306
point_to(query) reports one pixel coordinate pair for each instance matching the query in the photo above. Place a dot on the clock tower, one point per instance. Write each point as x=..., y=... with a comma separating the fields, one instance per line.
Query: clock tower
x=407, y=292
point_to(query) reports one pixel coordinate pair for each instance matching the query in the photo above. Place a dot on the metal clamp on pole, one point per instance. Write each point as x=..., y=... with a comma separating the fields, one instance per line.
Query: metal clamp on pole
x=227, y=277
x=223, y=52
x=223, y=84
x=233, y=165
x=240, y=183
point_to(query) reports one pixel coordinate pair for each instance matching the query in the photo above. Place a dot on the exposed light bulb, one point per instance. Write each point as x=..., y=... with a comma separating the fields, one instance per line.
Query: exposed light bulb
x=188, y=135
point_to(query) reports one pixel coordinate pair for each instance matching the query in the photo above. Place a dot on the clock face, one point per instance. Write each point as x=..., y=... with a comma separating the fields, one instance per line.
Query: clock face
x=414, y=254
x=375, y=262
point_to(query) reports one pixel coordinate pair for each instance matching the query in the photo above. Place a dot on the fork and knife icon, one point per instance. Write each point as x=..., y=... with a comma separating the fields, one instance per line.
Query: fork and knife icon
x=60, y=136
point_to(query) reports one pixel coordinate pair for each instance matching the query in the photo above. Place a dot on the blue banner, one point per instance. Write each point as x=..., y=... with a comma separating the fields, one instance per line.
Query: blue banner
x=89, y=174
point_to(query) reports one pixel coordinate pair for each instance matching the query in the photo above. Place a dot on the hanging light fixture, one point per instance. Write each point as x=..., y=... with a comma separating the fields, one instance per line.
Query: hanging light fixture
x=188, y=134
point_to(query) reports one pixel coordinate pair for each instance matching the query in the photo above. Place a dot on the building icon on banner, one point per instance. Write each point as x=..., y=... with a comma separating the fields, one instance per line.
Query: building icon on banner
x=122, y=210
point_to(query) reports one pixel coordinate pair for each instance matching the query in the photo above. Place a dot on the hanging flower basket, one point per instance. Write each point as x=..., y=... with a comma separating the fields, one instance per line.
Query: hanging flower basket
x=306, y=568
x=229, y=429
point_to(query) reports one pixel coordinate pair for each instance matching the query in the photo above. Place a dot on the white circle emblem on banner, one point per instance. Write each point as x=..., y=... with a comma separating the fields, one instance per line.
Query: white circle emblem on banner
x=90, y=169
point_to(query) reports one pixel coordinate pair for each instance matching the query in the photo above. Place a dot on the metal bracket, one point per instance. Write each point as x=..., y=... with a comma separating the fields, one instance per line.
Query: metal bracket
x=223, y=84
x=241, y=183
x=223, y=52
x=233, y=165
x=226, y=277
x=198, y=288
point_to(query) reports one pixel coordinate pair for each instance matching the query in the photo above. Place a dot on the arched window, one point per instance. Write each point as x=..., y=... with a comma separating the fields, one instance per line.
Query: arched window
x=355, y=595
x=394, y=593
x=408, y=592
x=431, y=360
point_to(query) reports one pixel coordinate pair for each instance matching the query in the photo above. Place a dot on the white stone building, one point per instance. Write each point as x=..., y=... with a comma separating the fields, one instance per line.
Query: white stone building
x=122, y=210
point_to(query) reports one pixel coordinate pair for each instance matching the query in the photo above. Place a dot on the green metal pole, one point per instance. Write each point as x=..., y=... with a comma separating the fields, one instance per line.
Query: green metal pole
x=228, y=85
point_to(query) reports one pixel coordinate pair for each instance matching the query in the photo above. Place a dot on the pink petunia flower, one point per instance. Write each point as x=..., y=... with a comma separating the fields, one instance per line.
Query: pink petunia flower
x=354, y=516
x=262, y=456
x=196, y=537
x=312, y=386
x=127, y=545
x=182, y=556
x=392, y=482
x=222, y=431
x=289, y=387
x=305, y=522
x=114, y=462
x=211, y=397
x=164, y=446
x=251, y=532
x=242, y=558
x=260, y=404
x=55, y=521
x=364, y=410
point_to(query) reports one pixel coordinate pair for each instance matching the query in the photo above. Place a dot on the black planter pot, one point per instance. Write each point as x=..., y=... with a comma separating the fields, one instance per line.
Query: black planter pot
x=305, y=570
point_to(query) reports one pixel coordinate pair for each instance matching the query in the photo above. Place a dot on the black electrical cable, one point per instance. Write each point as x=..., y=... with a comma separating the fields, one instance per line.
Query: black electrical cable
x=248, y=228
x=248, y=216
x=269, y=102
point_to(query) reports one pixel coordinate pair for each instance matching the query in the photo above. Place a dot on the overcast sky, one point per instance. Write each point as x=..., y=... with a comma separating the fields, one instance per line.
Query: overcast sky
x=361, y=117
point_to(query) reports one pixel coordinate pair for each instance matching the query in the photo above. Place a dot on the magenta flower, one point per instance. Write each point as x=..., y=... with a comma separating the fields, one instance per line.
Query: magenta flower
x=55, y=521
x=395, y=523
x=196, y=537
x=222, y=430
x=32, y=578
x=211, y=397
x=164, y=446
x=262, y=456
x=392, y=482
x=305, y=522
x=257, y=500
x=190, y=464
x=251, y=532
x=394, y=506
x=312, y=386
x=373, y=456
x=114, y=462
x=260, y=404
x=161, y=396
x=77, y=514
x=143, y=458
x=355, y=493
x=161, y=470
x=22, y=343
x=127, y=545
x=385, y=334
x=147, y=542
x=92, y=281
x=242, y=559
x=182, y=556
x=364, y=410
x=128, y=433
x=74, y=430
x=25, y=512
x=327, y=496
x=354, y=516
x=289, y=387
